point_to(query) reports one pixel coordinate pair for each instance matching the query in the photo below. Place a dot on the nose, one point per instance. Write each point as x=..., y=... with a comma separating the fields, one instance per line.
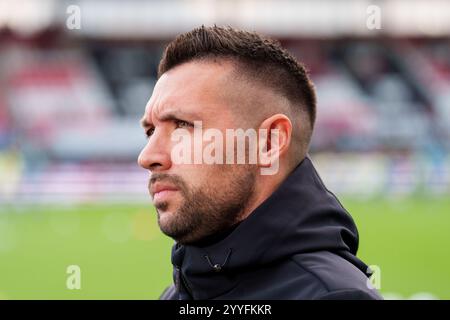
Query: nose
x=155, y=156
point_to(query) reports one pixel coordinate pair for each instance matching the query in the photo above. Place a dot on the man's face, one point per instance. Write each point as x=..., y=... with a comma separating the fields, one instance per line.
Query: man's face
x=193, y=200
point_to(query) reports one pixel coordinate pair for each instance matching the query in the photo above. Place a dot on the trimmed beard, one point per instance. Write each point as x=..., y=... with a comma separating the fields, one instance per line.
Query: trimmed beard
x=208, y=209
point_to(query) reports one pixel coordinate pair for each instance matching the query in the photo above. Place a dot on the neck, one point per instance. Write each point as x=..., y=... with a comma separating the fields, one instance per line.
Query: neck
x=265, y=186
x=217, y=237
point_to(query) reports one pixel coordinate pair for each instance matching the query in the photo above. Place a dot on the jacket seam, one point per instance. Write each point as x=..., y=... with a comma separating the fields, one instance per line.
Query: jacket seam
x=313, y=274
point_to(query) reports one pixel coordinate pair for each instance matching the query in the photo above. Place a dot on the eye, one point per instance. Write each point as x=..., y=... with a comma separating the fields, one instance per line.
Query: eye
x=183, y=124
x=149, y=132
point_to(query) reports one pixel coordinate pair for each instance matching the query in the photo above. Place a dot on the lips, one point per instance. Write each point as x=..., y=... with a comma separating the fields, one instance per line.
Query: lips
x=159, y=190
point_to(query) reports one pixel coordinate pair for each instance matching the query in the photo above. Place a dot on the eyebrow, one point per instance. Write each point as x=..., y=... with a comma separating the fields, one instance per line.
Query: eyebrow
x=170, y=116
x=144, y=123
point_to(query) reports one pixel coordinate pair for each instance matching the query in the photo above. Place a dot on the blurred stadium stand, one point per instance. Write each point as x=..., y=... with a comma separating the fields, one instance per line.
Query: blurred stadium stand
x=70, y=100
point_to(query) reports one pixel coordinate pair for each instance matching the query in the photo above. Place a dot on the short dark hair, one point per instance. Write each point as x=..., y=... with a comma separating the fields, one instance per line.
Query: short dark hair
x=261, y=57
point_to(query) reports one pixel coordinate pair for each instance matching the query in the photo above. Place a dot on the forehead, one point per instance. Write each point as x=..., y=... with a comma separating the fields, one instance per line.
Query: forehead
x=199, y=87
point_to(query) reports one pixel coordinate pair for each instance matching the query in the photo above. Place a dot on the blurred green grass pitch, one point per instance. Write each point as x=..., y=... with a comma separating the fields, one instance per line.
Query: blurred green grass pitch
x=123, y=255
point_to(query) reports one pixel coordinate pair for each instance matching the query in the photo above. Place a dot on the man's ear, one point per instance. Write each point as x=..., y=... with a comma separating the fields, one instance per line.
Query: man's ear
x=275, y=135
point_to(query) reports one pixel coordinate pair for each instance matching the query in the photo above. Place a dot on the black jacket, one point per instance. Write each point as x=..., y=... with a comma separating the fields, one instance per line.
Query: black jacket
x=298, y=244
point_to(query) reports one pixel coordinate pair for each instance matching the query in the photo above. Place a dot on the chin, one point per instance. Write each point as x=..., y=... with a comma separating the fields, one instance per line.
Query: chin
x=165, y=217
